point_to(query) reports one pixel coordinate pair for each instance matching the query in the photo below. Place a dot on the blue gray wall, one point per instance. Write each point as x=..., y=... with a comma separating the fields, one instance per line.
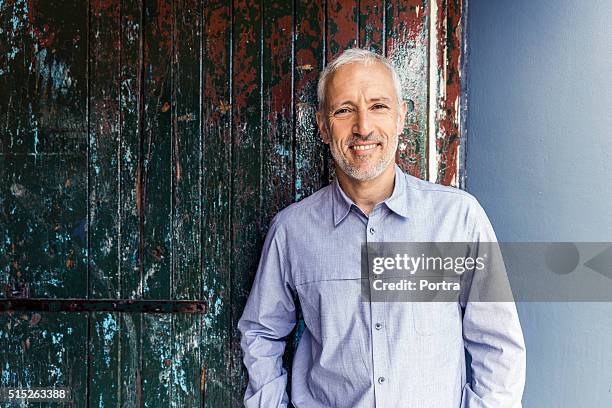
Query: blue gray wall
x=539, y=157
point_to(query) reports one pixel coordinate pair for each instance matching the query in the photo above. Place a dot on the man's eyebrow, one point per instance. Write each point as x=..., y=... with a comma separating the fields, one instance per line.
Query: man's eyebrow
x=380, y=98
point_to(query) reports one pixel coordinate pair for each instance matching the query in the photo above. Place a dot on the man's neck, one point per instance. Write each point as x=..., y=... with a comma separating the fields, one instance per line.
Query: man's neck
x=366, y=194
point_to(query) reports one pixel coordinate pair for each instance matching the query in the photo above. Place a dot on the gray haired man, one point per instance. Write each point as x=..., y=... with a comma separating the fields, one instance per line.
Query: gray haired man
x=372, y=354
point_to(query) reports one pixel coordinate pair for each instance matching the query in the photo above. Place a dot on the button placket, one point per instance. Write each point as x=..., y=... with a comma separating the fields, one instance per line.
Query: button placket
x=379, y=341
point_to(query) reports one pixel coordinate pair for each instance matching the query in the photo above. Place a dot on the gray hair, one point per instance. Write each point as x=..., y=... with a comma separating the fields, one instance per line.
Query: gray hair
x=360, y=56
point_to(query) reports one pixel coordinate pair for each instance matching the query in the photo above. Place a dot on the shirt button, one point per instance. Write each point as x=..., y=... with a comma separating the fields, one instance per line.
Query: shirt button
x=378, y=326
x=372, y=230
x=381, y=380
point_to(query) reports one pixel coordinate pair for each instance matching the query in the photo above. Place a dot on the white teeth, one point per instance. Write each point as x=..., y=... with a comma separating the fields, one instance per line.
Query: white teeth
x=364, y=147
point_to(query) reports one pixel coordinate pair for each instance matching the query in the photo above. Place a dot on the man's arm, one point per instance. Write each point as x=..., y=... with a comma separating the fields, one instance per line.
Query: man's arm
x=491, y=329
x=269, y=316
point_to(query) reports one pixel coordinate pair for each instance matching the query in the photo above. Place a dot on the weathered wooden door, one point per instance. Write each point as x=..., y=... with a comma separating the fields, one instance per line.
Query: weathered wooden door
x=146, y=144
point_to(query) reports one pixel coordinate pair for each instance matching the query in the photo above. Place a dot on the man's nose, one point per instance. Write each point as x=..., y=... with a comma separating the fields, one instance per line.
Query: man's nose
x=363, y=123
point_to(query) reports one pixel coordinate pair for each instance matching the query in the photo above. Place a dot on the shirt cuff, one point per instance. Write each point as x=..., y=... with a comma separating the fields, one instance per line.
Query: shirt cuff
x=271, y=395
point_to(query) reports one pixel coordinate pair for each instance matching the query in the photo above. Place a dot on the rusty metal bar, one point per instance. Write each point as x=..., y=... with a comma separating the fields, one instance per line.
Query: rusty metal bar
x=103, y=305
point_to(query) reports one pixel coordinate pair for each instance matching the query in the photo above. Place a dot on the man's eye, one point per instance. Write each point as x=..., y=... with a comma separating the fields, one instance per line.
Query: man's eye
x=380, y=106
x=341, y=111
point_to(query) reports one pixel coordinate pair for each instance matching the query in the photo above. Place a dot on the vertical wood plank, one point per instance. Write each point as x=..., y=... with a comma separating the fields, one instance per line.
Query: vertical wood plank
x=277, y=144
x=18, y=77
x=246, y=170
x=448, y=91
x=131, y=356
x=407, y=48
x=372, y=25
x=186, y=373
x=216, y=212
x=44, y=350
x=130, y=155
x=43, y=211
x=157, y=363
x=104, y=139
x=309, y=150
x=104, y=348
x=115, y=352
x=186, y=149
x=157, y=180
x=463, y=95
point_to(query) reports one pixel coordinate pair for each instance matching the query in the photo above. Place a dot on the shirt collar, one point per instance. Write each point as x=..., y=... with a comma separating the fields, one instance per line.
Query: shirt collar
x=396, y=202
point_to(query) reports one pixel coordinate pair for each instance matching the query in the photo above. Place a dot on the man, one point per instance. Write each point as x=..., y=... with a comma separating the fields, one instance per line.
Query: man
x=372, y=354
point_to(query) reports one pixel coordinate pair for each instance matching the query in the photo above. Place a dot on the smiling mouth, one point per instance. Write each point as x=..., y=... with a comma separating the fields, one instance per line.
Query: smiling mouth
x=364, y=147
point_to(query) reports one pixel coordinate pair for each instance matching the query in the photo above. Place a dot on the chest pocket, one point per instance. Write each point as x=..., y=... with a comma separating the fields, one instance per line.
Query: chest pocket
x=435, y=318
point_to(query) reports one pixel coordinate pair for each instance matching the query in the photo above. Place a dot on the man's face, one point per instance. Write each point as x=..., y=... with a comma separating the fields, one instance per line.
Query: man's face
x=363, y=120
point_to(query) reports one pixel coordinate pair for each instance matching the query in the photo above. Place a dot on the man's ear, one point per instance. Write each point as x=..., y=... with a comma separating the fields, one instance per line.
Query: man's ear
x=322, y=128
x=401, y=120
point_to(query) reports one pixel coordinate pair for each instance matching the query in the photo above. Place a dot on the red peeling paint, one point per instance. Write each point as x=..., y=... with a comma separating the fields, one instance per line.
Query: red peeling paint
x=342, y=26
x=448, y=29
x=279, y=45
x=165, y=24
x=109, y=9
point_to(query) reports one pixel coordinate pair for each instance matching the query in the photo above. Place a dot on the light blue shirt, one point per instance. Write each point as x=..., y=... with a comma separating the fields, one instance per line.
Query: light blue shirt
x=374, y=354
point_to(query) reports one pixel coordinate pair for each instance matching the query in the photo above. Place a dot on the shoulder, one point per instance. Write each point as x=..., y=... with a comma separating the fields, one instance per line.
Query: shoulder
x=448, y=204
x=440, y=198
x=438, y=191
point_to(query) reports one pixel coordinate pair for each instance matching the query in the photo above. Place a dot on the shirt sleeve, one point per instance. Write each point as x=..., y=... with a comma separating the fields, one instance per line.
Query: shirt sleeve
x=268, y=317
x=491, y=328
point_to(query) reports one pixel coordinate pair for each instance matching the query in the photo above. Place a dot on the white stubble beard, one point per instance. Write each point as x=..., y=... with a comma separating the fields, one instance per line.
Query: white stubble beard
x=373, y=171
